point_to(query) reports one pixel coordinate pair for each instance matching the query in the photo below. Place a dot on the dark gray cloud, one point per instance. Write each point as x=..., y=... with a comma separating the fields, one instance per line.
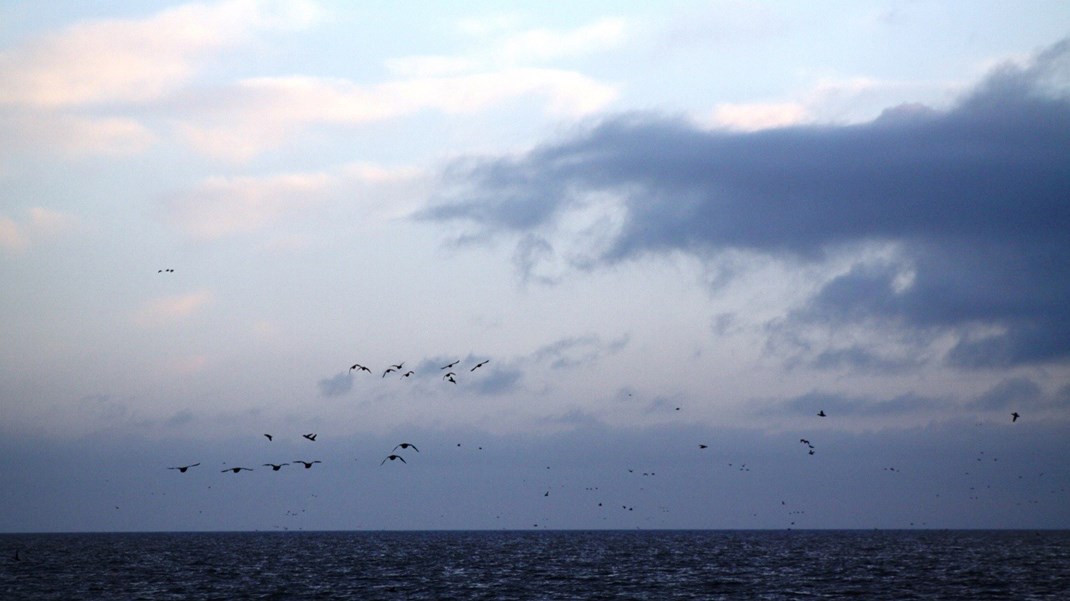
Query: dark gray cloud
x=973, y=198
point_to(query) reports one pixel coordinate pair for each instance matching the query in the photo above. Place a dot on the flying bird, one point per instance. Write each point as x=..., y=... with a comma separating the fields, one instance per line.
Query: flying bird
x=407, y=374
x=480, y=364
x=182, y=469
x=450, y=366
x=275, y=466
x=310, y=436
x=406, y=445
x=821, y=413
x=237, y=469
x=307, y=464
x=269, y=437
x=359, y=367
x=449, y=377
x=703, y=446
x=388, y=370
x=1014, y=417
x=393, y=457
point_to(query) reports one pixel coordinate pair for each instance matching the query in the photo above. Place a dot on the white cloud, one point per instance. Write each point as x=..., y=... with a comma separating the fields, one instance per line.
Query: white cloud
x=134, y=60
x=38, y=225
x=261, y=113
x=74, y=135
x=545, y=44
x=226, y=206
x=831, y=100
x=171, y=308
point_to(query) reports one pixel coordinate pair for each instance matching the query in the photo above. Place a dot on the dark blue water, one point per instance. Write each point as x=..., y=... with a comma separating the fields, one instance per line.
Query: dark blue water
x=539, y=565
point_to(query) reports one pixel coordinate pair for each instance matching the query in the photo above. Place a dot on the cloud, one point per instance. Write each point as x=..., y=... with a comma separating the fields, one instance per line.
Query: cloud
x=218, y=207
x=238, y=122
x=134, y=60
x=336, y=385
x=971, y=200
x=578, y=351
x=172, y=308
x=37, y=225
x=840, y=405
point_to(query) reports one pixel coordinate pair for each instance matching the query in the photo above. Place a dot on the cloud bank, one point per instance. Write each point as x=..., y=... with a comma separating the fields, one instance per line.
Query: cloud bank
x=972, y=200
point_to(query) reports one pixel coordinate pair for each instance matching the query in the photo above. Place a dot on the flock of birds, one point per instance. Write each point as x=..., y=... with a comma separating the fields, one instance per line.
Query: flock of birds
x=450, y=375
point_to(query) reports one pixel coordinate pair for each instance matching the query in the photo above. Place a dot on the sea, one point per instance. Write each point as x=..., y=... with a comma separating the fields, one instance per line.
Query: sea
x=790, y=564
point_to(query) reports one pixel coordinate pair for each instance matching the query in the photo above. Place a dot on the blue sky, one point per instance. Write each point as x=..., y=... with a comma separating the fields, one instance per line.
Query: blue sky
x=663, y=224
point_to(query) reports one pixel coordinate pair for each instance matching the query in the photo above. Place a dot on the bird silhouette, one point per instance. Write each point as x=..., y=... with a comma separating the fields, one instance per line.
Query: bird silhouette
x=480, y=364
x=703, y=446
x=307, y=464
x=449, y=377
x=275, y=466
x=182, y=469
x=1014, y=417
x=821, y=413
x=450, y=366
x=406, y=445
x=407, y=374
x=237, y=469
x=269, y=437
x=388, y=370
x=310, y=436
x=391, y=458
x=359, y=367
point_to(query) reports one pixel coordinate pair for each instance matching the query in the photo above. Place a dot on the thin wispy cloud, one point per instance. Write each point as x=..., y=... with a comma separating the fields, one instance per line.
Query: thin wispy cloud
x=170, y=309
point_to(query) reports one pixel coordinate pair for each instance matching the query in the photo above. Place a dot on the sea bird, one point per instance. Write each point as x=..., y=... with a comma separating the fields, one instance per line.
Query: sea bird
x=406, y=445
x=182, y=469
x=275, y=466
x=450, y=366
x=237, y=469
x=359, y=367
x=480, y=364
x=307, y=464
x=393, y=457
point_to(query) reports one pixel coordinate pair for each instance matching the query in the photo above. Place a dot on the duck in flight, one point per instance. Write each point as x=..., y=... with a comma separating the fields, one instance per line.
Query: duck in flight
x=393, y=457
x=307, y=464
x=407, y=374
x=1014, y=417
x=269, y=437
x=480, y=364
x=407, y=445
x=311, y=436
x=237, y=469
x=182, y=469
x=821, y=413
x=359, y=367
x=450, y=365
x=449, y=377
x=275, y=466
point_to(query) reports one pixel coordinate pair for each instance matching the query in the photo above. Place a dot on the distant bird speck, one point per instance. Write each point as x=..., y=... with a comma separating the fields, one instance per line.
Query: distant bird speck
x=821, y=413
x=1014, y=417
x=269, y=437
x=310, y=436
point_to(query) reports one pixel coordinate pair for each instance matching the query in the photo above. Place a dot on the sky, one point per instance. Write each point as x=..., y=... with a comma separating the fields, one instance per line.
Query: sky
x=674, y=232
